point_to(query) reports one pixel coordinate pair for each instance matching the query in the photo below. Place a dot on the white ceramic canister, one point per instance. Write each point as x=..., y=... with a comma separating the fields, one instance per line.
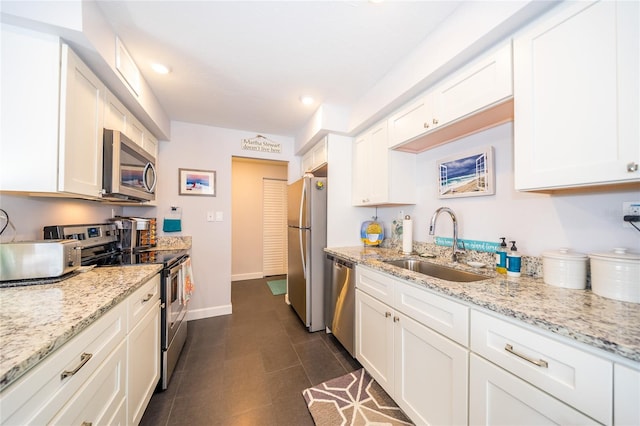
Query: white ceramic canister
x=565, y=268
x=616, y=275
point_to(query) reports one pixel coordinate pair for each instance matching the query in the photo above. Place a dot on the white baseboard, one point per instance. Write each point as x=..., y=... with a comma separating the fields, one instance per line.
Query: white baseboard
x=242, y=277
x=215, y=311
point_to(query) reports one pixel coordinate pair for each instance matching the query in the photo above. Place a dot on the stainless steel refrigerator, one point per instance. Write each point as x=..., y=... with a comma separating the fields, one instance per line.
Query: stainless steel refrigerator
x=307, y=238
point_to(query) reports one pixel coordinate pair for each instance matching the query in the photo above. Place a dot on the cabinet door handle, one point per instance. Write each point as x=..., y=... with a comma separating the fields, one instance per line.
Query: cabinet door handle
x=146, y=299
x=435, y=121
x=387, y=314
x=84, y=358
x=632, y=167
x=539, y=362
x=426, y=125
x=86, y=424
x=396, y=319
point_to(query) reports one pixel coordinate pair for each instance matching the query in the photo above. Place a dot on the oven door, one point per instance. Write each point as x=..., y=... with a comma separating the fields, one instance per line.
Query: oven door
x=175, y=306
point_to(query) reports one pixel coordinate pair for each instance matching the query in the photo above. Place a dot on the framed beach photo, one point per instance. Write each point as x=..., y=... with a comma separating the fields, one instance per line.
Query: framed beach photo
x=469, y=174
x=197, y=182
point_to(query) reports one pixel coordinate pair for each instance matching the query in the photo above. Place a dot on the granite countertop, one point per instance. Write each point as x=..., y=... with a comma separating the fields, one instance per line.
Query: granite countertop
x=38, y=319
x=581, y=315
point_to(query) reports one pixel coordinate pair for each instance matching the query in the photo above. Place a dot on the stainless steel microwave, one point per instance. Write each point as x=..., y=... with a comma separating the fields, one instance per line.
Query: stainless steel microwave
x=129, y=172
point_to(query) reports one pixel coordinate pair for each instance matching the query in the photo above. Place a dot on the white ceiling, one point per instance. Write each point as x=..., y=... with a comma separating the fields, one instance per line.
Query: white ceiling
x=244, y=65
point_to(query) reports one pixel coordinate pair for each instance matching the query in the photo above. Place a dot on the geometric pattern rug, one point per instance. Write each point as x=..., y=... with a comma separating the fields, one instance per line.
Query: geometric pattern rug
x=353, y=399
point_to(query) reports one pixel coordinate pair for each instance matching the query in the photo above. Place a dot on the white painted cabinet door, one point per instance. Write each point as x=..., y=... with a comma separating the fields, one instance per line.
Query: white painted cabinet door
x=576, y=97
x=143, y=363
x=477, y=86
x=626, y=394
x=381, y=176
x=102, y=399
x=116, y=116
x=135, y=131
x=81, y=127
x=143, y=347
x=497, y=397
x=409, y=122
x=431, y=374
x=360, y=183
x=374, y=339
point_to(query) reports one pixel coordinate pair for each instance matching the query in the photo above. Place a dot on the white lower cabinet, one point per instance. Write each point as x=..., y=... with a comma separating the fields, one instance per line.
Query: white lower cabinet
x=374, y=339
x=102, y=400
x=580, y=379
x=143, y=354
x=423, y=371
x=431, y=374
x=104, y=375
x=497, y=397
x=626, y=394
x=445, y=362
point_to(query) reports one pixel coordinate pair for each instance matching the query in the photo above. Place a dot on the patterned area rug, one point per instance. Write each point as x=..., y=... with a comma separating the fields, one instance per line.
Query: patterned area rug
x=353, y=399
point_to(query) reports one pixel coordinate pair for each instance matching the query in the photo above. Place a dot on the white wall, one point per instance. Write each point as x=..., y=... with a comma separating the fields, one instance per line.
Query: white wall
x=538, y=222
x=30, y=214
x=208, y=148
x=343, y=220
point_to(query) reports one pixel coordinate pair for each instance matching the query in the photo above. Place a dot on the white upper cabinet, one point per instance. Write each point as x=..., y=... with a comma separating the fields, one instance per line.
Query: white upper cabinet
x=81, y=127
x=409, y=122
x=116, y=116
x=468, y=101
x=52, y=117
x=315, y=158
x=576, y=97
x=381, y=176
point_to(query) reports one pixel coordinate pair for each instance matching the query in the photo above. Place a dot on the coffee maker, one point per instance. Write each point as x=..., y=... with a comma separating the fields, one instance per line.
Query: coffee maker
x=135, y=233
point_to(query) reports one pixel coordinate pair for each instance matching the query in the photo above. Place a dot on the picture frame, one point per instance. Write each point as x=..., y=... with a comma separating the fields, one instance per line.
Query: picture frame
x=197, y=182
x=468, y=174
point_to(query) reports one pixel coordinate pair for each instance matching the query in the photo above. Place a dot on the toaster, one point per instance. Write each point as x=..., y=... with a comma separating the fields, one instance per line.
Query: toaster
x=25, y=260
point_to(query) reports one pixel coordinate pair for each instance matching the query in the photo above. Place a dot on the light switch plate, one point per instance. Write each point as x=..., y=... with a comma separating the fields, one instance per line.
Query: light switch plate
x=210, y=217
x=218, y=216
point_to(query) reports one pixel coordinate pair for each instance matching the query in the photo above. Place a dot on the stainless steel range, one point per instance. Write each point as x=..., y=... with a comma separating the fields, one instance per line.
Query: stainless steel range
x=101, y=245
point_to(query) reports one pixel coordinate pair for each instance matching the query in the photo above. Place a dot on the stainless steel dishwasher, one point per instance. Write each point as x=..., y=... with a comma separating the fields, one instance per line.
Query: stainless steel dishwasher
x=340, y=310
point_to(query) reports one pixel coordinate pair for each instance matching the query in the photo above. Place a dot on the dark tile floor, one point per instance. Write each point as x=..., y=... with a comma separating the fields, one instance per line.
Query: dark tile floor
x=248, y=368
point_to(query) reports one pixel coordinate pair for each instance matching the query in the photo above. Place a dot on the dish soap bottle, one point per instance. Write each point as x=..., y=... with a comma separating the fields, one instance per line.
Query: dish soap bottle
x=513, y=261
x=501, y=257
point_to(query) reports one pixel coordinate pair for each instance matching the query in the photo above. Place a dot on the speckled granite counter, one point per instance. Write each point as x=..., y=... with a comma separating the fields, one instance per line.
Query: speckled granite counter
x=173, y=243
x=36, y=320
x=580, y=315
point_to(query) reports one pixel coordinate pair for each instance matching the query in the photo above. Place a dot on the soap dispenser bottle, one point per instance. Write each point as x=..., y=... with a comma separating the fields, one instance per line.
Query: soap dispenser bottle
x=501, y=257
x=513, y=261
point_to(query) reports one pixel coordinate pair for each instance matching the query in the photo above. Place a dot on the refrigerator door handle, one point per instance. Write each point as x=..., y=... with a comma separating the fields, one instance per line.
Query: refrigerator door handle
x=304, y=266
x=302, y=201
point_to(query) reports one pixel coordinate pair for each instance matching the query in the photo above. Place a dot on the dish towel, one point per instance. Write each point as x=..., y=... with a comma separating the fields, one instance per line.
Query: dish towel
x=187, y=272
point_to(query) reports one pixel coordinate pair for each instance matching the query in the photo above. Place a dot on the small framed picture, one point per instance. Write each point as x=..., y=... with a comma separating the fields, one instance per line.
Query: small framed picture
x=469, y=174
x=197, y=182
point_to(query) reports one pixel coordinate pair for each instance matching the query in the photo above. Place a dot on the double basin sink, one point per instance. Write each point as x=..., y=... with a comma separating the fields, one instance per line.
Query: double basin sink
x=436, y=271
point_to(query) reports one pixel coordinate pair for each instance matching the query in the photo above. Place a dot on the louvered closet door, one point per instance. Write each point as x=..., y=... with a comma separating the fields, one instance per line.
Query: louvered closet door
x=274, y=227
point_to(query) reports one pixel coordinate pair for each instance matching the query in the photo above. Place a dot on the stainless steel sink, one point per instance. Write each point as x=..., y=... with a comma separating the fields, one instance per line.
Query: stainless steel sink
x=436, y=271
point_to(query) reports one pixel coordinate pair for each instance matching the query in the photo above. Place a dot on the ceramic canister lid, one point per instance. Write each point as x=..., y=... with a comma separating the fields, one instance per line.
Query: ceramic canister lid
x=617, y=254
x=564, y=254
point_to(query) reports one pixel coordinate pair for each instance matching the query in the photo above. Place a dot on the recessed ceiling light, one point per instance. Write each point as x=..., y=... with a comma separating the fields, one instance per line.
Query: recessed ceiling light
x=160, y=69
x=306, y=100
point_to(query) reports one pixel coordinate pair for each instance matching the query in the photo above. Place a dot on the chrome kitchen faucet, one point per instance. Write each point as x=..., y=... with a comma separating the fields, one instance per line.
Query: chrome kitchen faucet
x=432, y=227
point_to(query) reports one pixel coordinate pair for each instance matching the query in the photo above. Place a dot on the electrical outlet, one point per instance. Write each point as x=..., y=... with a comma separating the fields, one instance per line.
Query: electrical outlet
x=630, y=208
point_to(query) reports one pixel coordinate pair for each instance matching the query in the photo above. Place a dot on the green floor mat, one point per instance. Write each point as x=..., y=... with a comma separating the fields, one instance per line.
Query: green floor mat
x=277, y=287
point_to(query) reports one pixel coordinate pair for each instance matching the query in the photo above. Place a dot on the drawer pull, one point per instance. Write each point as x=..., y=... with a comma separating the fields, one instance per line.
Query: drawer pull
x=146, y=299
x=539, y=363
x=84, y=358
x=387, y=314
x=87, y=424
